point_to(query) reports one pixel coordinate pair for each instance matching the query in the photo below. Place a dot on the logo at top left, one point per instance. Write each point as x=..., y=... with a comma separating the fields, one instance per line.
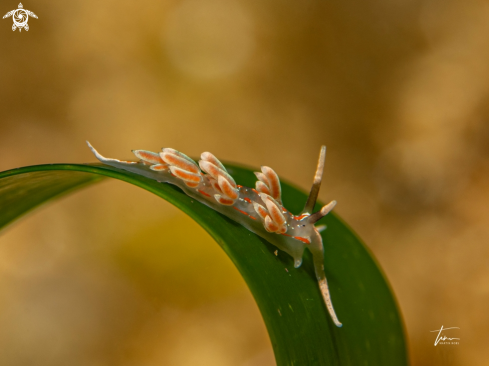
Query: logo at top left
x=20, y=17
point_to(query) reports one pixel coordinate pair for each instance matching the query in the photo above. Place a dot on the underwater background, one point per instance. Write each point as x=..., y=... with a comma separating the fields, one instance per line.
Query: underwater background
x=112, y=275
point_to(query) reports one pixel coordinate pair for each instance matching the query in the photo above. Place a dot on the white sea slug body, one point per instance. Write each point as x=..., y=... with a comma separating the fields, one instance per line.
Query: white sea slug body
x=258, y=209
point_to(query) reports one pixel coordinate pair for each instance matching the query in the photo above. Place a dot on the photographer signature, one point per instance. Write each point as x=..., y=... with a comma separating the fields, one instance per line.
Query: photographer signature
x=443, y=338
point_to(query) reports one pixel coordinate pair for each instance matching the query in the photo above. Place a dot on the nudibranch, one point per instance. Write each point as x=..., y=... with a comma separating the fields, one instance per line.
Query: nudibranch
x=258, y=209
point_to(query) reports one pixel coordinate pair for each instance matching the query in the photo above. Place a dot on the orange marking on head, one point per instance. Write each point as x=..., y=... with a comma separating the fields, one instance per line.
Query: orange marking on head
x=247, y=199
x=304, y=240
x=251, y=217
x=239, y=186
x=203, y=193
x=254, y=190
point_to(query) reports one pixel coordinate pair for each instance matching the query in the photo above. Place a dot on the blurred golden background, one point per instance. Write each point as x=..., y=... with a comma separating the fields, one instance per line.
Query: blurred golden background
x=398, y=91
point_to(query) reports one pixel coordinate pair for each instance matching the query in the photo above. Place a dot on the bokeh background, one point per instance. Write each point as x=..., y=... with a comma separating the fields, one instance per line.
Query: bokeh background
x=397, y=90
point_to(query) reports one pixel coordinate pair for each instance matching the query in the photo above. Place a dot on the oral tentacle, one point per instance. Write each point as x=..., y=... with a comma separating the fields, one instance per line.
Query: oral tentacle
x=323, y=285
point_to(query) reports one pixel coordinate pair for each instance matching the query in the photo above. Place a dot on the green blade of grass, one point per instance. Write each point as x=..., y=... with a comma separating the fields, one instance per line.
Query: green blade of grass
x=298, y=323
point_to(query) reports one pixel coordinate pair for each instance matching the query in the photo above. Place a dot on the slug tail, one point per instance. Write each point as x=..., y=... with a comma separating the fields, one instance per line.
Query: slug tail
x=96, y=153
x=113, y=162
